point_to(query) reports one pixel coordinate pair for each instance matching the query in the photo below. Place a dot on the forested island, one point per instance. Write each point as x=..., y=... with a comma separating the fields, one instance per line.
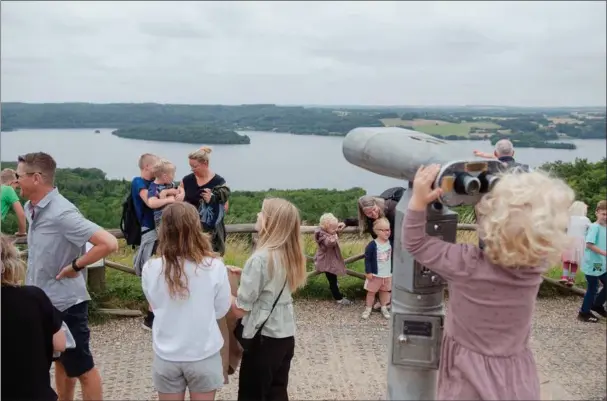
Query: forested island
x=527, y=127
x=184, y=134
x=100, y=199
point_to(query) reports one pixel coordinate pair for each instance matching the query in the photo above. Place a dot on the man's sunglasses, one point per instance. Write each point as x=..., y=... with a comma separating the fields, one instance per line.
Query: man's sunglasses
x=23, y=175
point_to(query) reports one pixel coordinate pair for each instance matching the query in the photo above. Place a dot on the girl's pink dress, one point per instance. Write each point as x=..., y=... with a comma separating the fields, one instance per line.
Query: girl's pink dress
x=485, y=353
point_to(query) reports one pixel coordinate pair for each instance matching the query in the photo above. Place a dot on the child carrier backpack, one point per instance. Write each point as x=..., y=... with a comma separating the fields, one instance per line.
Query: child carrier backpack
x=129, y=223
x=394, y=194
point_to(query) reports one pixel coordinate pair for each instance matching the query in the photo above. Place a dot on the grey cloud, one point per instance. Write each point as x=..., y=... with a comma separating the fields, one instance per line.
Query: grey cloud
x=173, y=31
x=517, y=53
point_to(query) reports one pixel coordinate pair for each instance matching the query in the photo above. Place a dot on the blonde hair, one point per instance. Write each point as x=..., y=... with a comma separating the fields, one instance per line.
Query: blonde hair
x=280, y=236
x=379, y=222
x=163, y=166
x=146, y=159
x=602, y=205
x=201, y=155
x=365, y=202
x=578, y=208
x=7, y=176
x=13, y=268
x=327, y=219
x=523, y=220
x=180, y=238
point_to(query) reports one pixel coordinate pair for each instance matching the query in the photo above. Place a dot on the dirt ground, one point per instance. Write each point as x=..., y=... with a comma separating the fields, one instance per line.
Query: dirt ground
x=340, y=357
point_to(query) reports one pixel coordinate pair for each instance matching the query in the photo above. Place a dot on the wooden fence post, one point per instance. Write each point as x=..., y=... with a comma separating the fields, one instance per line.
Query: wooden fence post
x=95, y=275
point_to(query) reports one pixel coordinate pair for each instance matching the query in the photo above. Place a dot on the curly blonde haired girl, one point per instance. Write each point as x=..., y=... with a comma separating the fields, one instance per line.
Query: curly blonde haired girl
x=492, y=292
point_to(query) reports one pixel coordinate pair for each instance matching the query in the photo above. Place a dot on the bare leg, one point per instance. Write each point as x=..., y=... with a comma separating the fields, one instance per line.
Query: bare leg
x=210, y=396
x=370, y=298
x=91, y=385
x=172, y=397
x=384, y=298
x=65, y=385
x=565, y=275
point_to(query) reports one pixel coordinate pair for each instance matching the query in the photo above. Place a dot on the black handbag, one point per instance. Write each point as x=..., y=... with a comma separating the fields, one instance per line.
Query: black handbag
x=249, y=343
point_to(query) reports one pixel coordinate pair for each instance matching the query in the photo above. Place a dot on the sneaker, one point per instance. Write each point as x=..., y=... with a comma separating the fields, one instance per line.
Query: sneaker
x=385, y=312
x=570, y=282
x=587, y=317
x=600, y=310
x=344, y=301
x=564, y=280
x=366, y=313
x=147, y=324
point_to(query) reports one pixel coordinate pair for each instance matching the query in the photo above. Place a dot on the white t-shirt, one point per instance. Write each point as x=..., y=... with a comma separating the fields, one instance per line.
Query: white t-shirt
x=186, y=330
x=384, y=259
x=578, y=226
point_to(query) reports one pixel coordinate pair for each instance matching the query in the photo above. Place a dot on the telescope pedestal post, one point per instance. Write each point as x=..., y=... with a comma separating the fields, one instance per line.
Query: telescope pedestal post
x=417, y=312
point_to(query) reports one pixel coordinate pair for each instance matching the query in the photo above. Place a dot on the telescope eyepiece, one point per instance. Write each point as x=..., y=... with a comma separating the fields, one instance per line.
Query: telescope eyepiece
x=488, y=181
x=465, y=184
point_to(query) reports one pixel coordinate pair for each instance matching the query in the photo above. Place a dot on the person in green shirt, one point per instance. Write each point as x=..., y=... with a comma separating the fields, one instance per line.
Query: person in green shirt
x=595, y=267
x=9, y=199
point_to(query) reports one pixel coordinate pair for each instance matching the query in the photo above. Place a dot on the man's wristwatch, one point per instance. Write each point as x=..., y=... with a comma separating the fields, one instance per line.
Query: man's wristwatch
x=75, y=266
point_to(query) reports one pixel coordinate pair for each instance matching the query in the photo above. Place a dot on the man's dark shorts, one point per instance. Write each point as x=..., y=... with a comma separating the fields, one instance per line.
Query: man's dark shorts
x=77, y=361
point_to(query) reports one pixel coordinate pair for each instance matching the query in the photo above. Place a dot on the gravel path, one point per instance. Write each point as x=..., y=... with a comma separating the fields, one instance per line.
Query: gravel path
x=340, y=357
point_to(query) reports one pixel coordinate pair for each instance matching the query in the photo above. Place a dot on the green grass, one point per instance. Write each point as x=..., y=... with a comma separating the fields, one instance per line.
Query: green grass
x=123, y=290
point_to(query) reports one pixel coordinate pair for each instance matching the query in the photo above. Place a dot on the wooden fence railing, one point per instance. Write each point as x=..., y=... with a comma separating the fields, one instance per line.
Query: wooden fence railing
x=96, y=276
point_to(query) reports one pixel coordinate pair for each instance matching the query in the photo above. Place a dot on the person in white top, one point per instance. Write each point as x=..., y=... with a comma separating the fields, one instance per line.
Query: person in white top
x=188, y=289
x=573, y=256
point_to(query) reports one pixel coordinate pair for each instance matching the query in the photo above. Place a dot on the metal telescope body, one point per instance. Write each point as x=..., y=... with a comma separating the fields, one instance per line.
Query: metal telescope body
x=417, y=292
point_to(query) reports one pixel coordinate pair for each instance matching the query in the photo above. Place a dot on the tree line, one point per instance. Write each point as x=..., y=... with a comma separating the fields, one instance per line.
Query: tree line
x=100, y=199
x=263, y=117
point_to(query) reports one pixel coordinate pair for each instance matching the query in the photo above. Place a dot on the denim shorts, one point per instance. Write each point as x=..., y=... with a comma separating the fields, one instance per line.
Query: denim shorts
x=77, y=361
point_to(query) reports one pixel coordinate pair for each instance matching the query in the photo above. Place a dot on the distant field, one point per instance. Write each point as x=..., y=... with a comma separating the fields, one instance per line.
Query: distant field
x=564, y=120
x=397, y=122
x=438, y=127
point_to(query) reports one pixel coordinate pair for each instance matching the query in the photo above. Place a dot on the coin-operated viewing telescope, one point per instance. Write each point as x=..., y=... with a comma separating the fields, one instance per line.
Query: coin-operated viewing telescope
x=417, y=292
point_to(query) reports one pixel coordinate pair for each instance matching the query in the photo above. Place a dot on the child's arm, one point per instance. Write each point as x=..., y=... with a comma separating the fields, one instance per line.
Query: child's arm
x=370, y=259
x=595, y=249
x=154, y=200
x=171, y=192
x=484, y=155
x=447, y=259
x=444, y=258
x=591, y=239
x=324, y=240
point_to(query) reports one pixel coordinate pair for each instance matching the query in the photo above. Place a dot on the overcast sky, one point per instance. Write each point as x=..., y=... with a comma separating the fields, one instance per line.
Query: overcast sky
x=371, y=53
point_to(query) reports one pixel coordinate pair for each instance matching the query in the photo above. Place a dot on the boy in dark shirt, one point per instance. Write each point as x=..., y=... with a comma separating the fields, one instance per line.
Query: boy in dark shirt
x=139, y=191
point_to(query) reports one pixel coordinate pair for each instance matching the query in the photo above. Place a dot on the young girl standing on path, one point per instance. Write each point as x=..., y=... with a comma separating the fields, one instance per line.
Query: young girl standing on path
x=188, y=290
x=485, y=351
x=574, y=254
x=274, y=271
x=328, y=257
x=378, y=268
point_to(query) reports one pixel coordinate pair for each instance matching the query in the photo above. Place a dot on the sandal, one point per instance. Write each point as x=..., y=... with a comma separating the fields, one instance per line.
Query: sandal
x=587, y=317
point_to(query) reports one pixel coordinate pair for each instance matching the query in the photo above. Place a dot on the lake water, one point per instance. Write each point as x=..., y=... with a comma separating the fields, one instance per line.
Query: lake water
x=272, y=160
